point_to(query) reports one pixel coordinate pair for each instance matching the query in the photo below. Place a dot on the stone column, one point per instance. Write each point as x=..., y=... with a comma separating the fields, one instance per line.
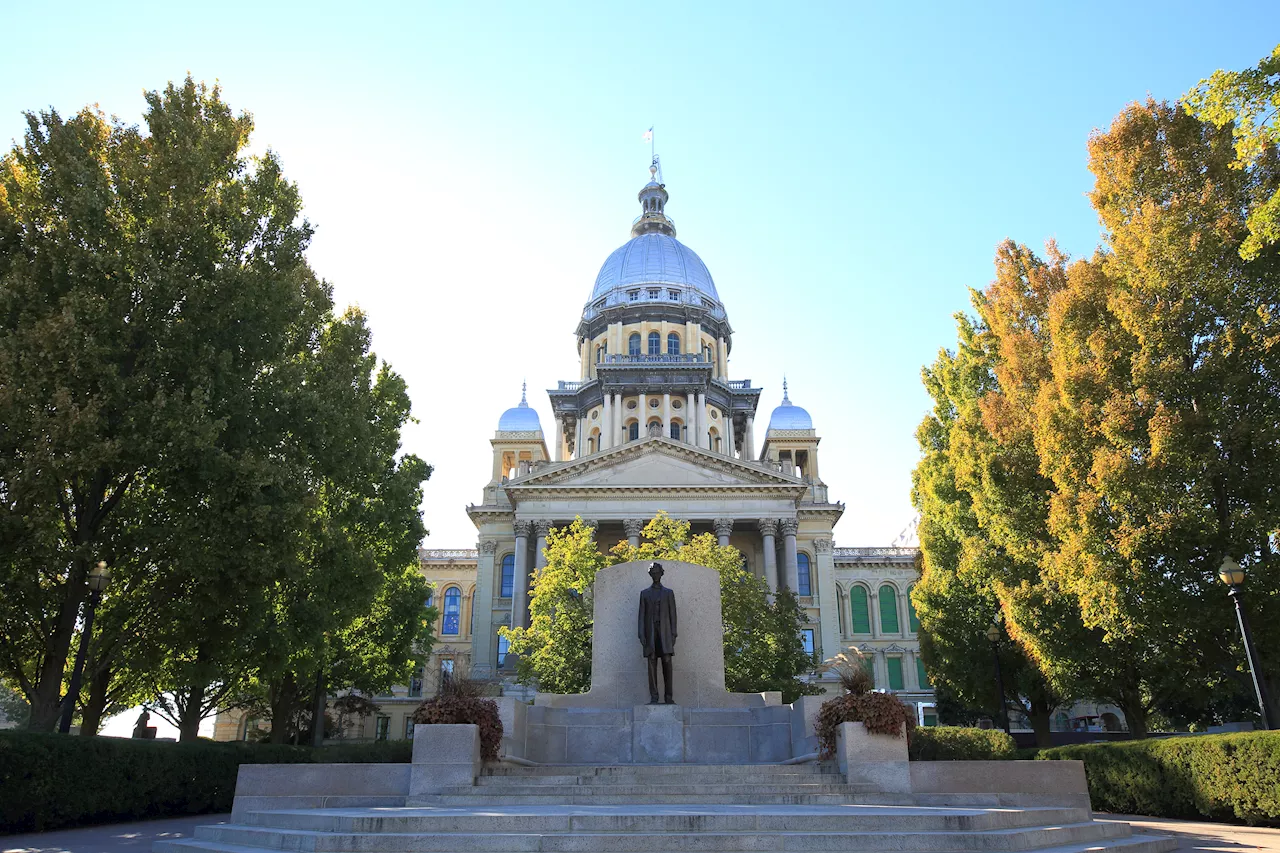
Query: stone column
x=690, y=428
x=606, y=416
x=643, y=408
x=520, y=587
x=723, y=526
x=789, y=526
x=560, y=439
x=666, y=412
x=482, y=649
x=540, y=528
x=700, y=417
x=769, y=529
x=749, y=451
x=579, y=449
x=824, y=574
x=728, y=435
x=633, y=526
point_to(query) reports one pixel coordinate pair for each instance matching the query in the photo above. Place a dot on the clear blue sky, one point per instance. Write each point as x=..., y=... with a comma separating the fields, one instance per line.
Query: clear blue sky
x=845, y=170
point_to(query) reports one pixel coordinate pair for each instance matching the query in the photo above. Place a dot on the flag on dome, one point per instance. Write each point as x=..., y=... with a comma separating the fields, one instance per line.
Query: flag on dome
x=648, y=135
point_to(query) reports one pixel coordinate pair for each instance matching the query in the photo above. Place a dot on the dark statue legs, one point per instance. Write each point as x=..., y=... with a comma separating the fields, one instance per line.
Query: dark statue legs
x=666, y=679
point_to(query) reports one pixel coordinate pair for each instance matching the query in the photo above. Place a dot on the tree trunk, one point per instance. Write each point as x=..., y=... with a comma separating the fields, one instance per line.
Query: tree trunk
x=1135, y=714
x=1040, y=715
x=91, y=713
x=46, y=695
x=281, y=699
x=189, y=714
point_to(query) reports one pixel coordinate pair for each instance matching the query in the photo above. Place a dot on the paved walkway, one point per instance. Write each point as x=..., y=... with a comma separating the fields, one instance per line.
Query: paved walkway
x=137, y=837
x=114, y=838
x=1193, y=836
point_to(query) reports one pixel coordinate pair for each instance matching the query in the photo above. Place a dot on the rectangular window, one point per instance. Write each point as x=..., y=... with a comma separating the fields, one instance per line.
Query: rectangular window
x=869, y=664
x=633, y=295
x=894, y=666
x=654, y=294
x=508, y=576
x=446, y=671
x=804, y=583
x=503, y=646
x=382, y=728
x=673, y=295
x=415, y=683
x=921, y=674
x=806, y=635
x=408, y=728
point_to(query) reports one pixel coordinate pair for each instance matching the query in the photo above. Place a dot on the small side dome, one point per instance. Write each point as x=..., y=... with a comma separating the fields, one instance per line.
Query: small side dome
x=520, y=418
x=788, y=415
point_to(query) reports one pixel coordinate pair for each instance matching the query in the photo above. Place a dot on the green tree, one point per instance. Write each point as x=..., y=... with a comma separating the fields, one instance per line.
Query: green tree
x=146, y=281
x=1248, y=102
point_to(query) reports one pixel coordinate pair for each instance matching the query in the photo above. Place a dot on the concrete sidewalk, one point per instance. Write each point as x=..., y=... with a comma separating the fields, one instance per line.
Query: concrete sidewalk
x=113, y=838
x=137, y=837
x=1196, y=836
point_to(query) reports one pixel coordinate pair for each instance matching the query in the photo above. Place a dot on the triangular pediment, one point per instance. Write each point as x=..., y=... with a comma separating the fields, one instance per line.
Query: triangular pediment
x=657, y=462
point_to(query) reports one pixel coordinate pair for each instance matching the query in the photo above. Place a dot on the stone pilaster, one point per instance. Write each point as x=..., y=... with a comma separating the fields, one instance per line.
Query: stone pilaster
x=723, y=527
x=541, y=528
x=749, y=451
x=824, y=569
x=482, y=641
x=768, y=530
x=789, y=527
x=520, y=590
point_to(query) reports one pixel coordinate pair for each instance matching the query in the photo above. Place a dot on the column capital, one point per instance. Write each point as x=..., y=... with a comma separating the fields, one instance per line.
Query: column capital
x=823, y=546
x=789, y=526
x=592, y=523
x=541, y=528
x=523, y=528
x=723, y=526
x=768, y=526
x=488, y=546
x=633, y=526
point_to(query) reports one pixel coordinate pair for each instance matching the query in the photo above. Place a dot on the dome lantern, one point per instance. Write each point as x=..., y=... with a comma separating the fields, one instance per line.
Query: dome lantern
x=788, y=415
x=653, y=201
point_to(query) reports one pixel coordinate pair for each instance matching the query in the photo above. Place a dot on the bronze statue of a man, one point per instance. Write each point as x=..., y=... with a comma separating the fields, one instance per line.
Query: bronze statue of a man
x=657, y=631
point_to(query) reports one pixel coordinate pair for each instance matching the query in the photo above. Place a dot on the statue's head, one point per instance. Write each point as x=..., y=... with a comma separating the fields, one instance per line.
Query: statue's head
x=655, y=572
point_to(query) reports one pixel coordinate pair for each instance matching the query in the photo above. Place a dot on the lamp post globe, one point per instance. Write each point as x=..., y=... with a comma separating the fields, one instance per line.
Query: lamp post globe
x=98, y=580
x=1231, y=574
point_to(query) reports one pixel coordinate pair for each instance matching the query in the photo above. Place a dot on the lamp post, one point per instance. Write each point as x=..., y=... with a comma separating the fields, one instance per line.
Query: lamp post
x=1233, y=576
x=99, y=577
x=993, y=635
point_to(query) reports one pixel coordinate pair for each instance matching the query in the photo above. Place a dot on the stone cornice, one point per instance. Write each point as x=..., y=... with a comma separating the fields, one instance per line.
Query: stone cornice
x=660, y=444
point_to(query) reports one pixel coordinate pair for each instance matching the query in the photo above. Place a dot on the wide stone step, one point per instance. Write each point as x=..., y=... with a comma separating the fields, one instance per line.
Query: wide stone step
x=641, y=792
x=691, y=778
x=798, y=838
x=663, y=769
x=757, y=819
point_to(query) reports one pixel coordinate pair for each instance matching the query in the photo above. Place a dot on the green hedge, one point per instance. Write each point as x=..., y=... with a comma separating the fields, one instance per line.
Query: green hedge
x=51, y=781
x=1215, y=776
x=960, y=743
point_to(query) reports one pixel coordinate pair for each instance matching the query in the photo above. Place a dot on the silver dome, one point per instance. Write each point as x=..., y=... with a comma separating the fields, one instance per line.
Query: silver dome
x=788, y=415
x=520, y=418
x=654, y=258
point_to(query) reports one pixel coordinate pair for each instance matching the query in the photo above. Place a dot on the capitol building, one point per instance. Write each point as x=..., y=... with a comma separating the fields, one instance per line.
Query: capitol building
x=652, y=422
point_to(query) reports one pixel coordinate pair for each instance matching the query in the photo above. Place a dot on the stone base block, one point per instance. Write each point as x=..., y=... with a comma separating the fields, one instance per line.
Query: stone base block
x=879, y=760
x=444, y=756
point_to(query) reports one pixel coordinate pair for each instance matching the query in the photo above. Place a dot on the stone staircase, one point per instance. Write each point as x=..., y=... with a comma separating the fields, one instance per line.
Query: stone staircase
x=672, y=809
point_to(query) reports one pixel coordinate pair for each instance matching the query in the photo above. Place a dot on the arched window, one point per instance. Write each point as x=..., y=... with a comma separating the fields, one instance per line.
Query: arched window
x=889, y=610
x=675, y=430
x=655, y=343
x=803, y=581
x=673, y=344
x=912, y=621
x=633, y=344
x=633, y=431
x=859, y=610
x=431, y=595
x=508, y=576
x=452, y=610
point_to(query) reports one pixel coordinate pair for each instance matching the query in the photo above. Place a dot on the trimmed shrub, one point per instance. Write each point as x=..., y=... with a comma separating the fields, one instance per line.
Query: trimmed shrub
x=960, y=743
x=48, y=781
x=1220, y=777
x=881, y=713
x=466, y=709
